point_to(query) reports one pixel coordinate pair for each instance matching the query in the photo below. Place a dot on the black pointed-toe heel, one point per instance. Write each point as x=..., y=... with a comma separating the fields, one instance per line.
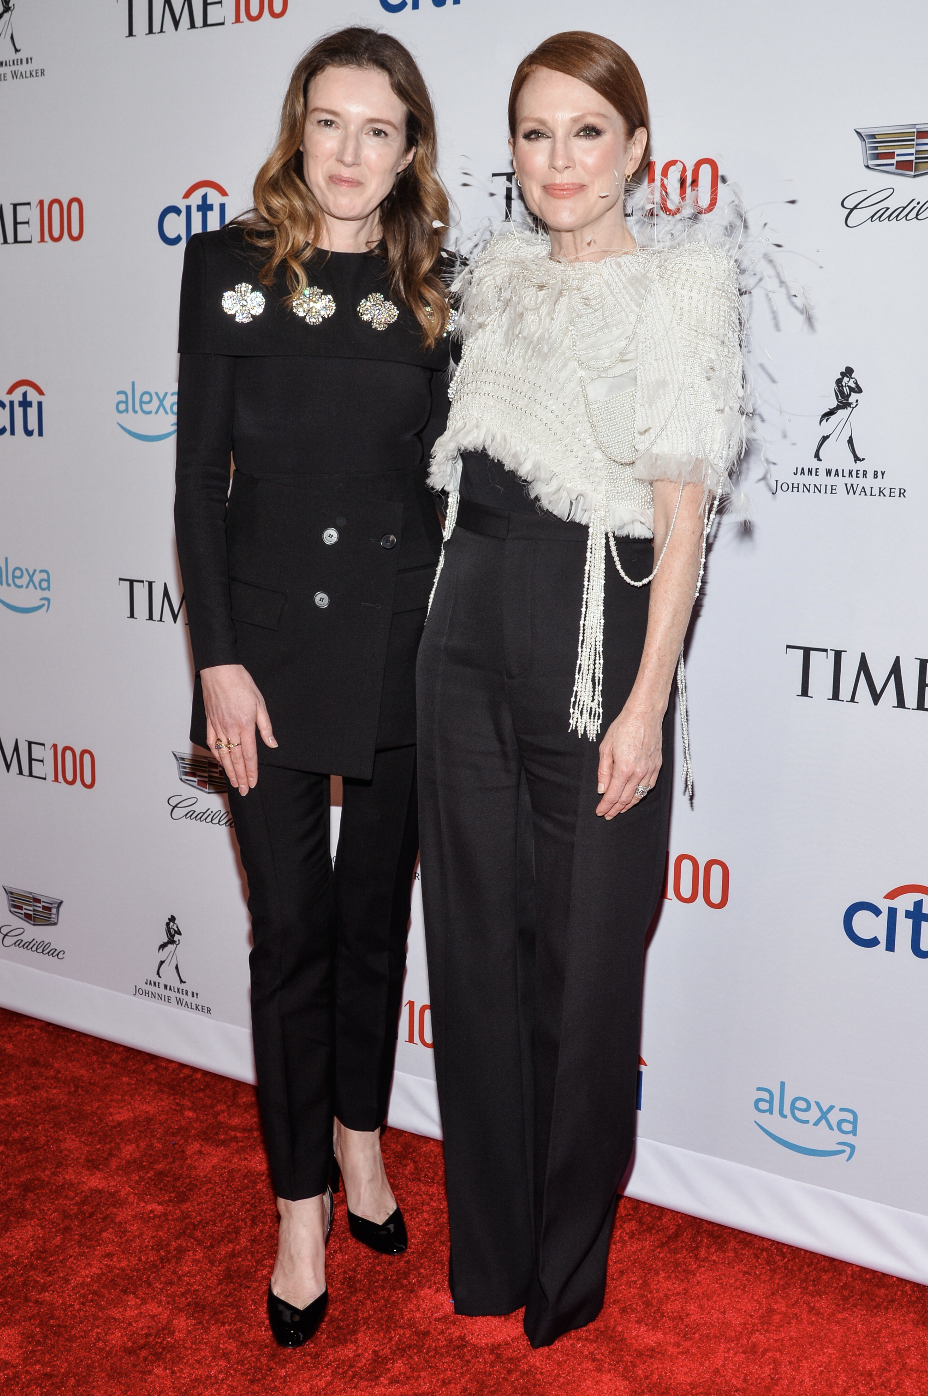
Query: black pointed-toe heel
x=389, y=1238
x=292, y=1327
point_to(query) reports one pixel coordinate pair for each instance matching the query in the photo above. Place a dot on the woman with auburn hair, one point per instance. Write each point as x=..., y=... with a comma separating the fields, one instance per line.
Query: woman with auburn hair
x=314, y=350
x=596, y=412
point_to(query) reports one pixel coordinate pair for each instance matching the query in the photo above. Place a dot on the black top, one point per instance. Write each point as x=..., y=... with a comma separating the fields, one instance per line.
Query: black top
x=328, y=528
x=485, y=480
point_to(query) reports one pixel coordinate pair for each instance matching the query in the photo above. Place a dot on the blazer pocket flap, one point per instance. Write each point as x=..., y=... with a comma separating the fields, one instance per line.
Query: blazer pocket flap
x=256, y=605
x=413, y=588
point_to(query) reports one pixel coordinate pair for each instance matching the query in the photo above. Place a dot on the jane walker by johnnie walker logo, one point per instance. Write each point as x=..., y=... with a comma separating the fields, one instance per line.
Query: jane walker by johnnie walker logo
x=15, y=66
x=161, y=988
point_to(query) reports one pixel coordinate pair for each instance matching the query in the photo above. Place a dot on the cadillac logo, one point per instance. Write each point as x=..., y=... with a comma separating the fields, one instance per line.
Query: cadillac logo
x=202, y=772
x=33, y=908
x=901, y=149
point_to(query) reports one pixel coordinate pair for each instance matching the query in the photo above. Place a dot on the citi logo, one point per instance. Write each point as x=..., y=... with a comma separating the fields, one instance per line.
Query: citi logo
x=800, y=1113
x=168, y=231
x=209, y=11
x=393, y=7
x=29, y=410
x=856, y=925
x=147, y=404
x=15, y=584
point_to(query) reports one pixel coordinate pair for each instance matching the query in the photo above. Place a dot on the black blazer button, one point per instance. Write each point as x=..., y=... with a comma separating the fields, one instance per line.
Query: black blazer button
x=388, y=541
x=321, y=600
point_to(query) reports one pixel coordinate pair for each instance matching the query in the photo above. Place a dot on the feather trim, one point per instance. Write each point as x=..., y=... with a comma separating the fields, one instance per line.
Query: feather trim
x=691, y=470
x=537, y=473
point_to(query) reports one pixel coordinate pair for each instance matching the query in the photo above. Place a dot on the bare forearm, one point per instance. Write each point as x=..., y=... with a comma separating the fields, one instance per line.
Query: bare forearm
x=630, y=755
x=672, y=593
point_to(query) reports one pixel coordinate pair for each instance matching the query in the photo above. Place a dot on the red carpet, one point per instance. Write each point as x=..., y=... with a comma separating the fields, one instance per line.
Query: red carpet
x=139, y=1233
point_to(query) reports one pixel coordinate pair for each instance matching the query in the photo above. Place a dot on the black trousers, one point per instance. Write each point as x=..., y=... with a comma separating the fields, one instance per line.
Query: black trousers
x=329, y=954
x=536, y=912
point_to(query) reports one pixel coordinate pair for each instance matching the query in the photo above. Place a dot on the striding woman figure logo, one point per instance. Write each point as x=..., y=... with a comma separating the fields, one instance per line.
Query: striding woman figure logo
x=847, y=397
x=169, y=947
x=6, y=22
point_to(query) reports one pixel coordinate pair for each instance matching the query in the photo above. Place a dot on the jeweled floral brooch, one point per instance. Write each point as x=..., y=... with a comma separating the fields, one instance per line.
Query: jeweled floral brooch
x=243, y=303
x=313, y=305
x=378, y=313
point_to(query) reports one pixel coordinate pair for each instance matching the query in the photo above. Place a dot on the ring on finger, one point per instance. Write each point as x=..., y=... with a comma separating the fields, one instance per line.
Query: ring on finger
x=641, y=791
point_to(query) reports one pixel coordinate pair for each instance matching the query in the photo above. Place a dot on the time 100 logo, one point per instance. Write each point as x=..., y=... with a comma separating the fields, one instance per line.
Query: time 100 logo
x=687, y=883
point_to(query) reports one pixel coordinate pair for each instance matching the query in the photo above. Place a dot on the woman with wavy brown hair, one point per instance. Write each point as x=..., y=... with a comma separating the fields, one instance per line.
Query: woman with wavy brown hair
x=313, y=341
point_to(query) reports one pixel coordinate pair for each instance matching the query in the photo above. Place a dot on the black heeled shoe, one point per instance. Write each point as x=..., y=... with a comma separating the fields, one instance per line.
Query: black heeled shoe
x=387, y=1238
x=292, y=1327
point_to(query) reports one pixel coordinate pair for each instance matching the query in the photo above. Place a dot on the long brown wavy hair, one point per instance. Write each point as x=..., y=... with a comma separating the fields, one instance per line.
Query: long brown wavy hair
x=287, y=221
x=602, y=65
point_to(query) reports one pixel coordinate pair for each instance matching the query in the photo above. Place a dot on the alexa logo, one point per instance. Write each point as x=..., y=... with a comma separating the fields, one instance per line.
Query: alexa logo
x=799, y=1112
x=22, y=415
x=863, y=917
x=17, y=581
x=175, y=222
x=147, y=402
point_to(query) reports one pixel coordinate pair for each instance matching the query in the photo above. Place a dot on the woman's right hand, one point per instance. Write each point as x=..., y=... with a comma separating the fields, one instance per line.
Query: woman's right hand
x=234, y=708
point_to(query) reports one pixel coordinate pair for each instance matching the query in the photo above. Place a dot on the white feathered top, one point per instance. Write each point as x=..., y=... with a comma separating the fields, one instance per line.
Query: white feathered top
x=590, y=380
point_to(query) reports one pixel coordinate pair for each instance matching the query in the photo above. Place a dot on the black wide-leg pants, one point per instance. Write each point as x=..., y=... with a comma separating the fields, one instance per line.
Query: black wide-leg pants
x=329, y=953
x=536, y=912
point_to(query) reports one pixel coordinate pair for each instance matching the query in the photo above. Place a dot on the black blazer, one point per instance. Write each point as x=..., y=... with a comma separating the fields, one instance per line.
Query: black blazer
x=314, y=567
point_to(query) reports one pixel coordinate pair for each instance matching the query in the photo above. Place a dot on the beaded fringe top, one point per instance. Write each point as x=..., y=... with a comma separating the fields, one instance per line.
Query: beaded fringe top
x=591, y=380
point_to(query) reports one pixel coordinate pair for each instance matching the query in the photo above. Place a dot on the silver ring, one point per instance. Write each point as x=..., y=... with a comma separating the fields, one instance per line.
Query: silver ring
x=641, y=791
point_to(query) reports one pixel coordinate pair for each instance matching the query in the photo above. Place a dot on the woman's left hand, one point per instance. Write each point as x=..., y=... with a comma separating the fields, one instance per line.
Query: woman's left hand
x=629, y=756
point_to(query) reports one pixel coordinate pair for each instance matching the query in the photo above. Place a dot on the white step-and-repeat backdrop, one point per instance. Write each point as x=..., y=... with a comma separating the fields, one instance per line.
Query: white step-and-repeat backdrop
x=784, y=1039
